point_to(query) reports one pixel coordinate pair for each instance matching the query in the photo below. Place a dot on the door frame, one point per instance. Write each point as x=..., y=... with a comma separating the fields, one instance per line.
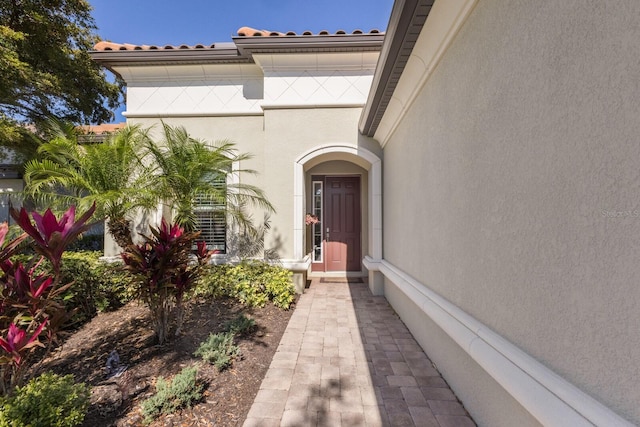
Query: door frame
x=371, y=162
x=321, y=265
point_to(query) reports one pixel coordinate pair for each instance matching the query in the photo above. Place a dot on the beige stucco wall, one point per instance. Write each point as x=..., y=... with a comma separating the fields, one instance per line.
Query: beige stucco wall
x=512, y=188
x=289, y=133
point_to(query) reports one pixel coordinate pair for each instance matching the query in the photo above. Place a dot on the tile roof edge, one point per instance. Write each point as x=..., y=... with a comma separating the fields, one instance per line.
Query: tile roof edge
x=252, y=32
x=243, y=33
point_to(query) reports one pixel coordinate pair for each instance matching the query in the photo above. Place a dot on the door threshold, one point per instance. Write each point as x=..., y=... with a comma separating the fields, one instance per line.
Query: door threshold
x=335, y=274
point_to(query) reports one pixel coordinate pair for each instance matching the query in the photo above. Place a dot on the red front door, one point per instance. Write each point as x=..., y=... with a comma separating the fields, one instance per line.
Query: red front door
x=342, y=224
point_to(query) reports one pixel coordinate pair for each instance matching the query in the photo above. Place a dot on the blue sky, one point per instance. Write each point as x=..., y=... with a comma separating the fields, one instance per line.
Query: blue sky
x=161, y=22
x=191, y=22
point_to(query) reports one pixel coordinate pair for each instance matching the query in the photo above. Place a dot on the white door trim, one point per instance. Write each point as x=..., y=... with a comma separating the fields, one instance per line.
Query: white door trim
x=365, y=159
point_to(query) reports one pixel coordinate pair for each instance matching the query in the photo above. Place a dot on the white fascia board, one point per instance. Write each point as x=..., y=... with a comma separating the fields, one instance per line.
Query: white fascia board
x=443, y=23
x=192, y=72
x=347, y=61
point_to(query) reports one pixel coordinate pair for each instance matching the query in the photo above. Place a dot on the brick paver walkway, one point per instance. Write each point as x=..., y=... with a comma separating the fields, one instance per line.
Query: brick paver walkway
x=347, y=359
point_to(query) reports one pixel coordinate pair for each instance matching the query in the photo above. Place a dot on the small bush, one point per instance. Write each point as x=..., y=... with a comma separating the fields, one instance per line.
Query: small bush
x=88, y=243
x=182, y=392
x=251, y=282
x=49, y=400
x=218, y=350
x=98, y=286
x=279, y=286
x=240, y=325
x=213, y=283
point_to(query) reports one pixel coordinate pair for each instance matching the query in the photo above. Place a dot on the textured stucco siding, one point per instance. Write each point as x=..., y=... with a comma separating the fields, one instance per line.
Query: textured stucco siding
x=512, y=188
x=288, y=134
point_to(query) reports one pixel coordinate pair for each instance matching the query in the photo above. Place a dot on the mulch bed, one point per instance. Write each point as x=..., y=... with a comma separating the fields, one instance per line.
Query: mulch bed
x=116, y=401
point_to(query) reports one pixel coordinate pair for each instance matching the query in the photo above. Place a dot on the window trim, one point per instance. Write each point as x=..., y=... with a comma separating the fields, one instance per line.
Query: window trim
x=316, y=229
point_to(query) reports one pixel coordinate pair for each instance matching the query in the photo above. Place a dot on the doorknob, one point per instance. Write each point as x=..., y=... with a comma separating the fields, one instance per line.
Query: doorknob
x=327, y=234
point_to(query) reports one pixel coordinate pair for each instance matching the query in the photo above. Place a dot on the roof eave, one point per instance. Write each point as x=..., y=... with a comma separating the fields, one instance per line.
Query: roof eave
x=114, y=58
x=326, y=43
x=241, y=52
x=405, y=24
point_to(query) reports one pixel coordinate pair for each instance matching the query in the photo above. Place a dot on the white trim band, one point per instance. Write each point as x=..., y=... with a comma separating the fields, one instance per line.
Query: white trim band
x=297, y=265
x=548, y=397
x=169, y=115
x=308, y=106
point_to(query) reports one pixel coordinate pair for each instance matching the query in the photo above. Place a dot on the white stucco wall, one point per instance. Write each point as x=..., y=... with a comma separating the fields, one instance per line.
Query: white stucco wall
x=313, y=79
x=193, y=89
x=512, y=189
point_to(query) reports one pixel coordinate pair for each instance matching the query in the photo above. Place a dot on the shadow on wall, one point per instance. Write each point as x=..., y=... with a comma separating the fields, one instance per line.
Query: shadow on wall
x=276, y=245
x=370, y=144
x=248, y=245
x=141, y=227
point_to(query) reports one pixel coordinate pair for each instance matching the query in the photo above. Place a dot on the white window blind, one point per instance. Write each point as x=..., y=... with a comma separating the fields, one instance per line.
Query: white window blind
x=211, y=218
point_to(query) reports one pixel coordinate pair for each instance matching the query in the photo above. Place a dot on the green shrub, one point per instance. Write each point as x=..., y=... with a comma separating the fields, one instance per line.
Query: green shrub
x=218, y=350
x=88, y=243
x=240, y=325
x=279, y=286
x=183, y=391
x=251, y=282
x=213, y=283
x=98, y=286
x=49, y=400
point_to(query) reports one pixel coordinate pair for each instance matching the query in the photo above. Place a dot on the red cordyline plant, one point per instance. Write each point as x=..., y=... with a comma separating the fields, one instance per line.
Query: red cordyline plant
x=164, y=269
x=29, y=302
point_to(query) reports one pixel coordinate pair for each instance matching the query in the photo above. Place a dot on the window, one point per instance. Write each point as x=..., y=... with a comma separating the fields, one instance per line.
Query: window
x=317, y=227
x=211, y=217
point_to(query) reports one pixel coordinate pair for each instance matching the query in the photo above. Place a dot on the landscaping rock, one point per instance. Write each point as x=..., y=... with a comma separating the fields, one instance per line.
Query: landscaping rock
x=106, y=399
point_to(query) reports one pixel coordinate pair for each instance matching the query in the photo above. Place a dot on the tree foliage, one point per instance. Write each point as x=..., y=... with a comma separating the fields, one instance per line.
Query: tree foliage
x=108, y=174
x=45, y=68
x=187, y=169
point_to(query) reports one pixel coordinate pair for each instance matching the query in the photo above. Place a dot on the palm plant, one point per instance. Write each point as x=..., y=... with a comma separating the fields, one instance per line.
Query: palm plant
x=189, y=171
x=129, y=170
x=110, y=175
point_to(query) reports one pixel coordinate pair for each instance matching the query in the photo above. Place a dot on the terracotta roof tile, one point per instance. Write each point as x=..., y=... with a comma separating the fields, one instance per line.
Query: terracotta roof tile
x=249, y=32
x=104, y=46
x=104, y=128
x=109, y=46
x=252, y=32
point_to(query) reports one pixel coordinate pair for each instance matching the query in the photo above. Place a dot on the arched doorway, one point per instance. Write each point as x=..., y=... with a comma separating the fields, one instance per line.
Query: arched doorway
x=348, y=202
